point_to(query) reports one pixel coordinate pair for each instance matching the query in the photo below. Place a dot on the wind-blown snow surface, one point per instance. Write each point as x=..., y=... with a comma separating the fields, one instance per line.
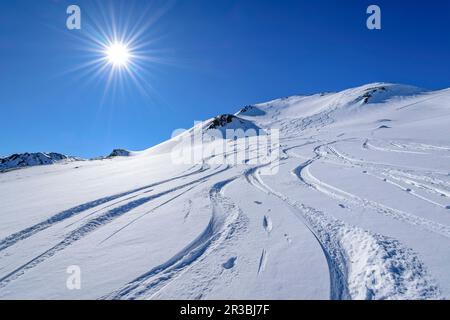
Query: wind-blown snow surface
x=359, y=209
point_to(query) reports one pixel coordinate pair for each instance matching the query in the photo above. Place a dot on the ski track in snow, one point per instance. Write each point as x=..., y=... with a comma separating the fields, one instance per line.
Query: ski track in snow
x=433, y=186
x=262, y=261
x=94, y=224
x=339, y=194
x=66, y=214
x=362, y=265
x=303, y=173
x=220, y=226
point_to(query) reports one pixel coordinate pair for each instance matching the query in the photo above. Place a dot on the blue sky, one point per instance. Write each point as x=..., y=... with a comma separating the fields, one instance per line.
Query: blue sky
x=212, y=57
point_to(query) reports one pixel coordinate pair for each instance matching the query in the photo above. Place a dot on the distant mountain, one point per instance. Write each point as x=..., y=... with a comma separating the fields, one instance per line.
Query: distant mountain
x=119, y=153
x=23, y=160
x=20, y=160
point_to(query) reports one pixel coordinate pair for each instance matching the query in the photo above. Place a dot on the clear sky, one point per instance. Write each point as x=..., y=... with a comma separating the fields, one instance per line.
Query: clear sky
x=199, y=58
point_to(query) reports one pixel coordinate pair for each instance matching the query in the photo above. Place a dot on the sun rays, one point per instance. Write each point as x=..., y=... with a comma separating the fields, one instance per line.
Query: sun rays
x=120, y=47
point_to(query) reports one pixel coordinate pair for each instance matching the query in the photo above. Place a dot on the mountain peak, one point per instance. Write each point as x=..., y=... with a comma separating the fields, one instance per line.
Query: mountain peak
x=119, y=153
x=226, y=122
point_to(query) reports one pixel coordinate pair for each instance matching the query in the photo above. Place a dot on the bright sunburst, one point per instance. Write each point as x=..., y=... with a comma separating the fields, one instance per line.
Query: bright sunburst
x=120, y=47
x=118, y=54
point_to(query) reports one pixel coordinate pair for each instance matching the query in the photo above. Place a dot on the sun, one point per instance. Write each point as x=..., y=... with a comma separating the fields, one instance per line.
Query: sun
x=121, y=49
x=118, y=54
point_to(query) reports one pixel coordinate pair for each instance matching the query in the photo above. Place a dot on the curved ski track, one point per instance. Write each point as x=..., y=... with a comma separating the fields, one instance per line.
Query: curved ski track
x=94, y=224
x=66, y=214
x=362, y=265
x=303, y=173
x=223, y=223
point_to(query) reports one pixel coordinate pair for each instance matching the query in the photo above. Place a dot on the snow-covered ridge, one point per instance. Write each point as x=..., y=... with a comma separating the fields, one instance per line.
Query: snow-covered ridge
x=33, y=159
x=250, y=111
x=225, y=122
x=244, y=119
x=24, y=160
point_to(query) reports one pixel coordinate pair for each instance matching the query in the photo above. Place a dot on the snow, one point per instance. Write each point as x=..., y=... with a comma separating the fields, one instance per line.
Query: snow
x=352, y=211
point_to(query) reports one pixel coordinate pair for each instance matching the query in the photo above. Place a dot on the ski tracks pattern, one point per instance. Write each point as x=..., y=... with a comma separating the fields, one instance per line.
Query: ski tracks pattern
x=225, y=221
x=362, y=265
x=92, y=225
x=69, y=213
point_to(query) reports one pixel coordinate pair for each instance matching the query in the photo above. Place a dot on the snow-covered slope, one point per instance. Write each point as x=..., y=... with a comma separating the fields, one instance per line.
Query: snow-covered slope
x=356, y=206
